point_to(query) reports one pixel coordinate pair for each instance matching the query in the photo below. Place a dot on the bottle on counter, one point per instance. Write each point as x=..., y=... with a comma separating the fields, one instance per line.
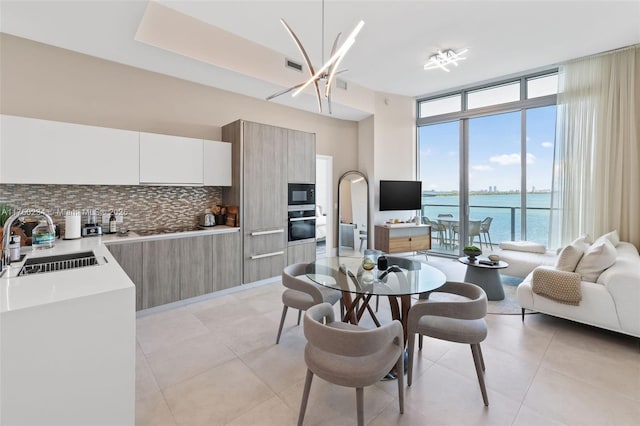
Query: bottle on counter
x=43, y=235
x=14, y=247
x=112, y=223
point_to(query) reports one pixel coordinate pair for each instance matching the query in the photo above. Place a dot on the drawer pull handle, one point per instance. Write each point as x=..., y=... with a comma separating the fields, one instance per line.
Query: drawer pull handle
x=274, y=231
x=260, y=256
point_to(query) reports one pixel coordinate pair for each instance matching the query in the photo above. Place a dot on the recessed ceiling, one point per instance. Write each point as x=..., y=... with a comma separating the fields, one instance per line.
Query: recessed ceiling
x=503, y=38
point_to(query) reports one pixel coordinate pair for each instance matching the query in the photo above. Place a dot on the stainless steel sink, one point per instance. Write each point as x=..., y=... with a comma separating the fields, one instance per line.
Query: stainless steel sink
x=62, y=262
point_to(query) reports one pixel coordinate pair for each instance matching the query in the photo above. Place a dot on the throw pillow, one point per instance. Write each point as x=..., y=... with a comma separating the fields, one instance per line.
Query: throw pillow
x=563, y=287
x=527, y=246
x=599, y=257
x=582, y=243
x=568, y=258
x=611, y=236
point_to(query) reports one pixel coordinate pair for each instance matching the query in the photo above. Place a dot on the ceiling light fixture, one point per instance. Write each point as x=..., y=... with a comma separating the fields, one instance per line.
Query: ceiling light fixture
x=442, y=59
x=328, y=71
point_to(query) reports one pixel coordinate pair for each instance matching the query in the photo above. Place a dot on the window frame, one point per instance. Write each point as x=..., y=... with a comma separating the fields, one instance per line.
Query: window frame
x=463, y=117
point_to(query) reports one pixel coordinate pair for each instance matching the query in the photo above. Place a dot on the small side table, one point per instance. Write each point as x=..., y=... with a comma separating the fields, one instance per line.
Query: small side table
x=485, y=276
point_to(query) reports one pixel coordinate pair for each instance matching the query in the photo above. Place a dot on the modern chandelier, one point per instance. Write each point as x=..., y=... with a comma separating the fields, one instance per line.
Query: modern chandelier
x=328, y=71
x=442, y=59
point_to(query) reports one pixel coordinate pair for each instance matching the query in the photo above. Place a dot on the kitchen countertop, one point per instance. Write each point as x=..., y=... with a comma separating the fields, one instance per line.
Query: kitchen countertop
x=133, y=236
x=29, y=291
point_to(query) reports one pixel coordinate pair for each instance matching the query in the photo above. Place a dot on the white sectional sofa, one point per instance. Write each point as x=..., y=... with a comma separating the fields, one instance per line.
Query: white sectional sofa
x=611, y=302
x=523, y=257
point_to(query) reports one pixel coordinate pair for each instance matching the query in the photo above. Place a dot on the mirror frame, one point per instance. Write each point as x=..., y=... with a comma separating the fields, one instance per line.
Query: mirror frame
x=366, y=181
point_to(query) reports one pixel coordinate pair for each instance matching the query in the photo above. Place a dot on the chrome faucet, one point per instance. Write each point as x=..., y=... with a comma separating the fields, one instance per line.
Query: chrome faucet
x=6, y=256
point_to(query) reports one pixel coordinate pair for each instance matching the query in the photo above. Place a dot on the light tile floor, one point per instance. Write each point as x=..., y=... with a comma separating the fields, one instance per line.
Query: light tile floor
x=215, y=362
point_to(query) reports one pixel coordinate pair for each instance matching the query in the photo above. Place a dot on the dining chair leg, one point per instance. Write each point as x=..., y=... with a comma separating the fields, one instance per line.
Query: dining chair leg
x=481, y=357
x=377, y=302
x=411, y=343
x=400, y=370
x=522, y=313
x=305, y=396
x=419, y=342
x=360, y=405
x=479, y=372
x=284, y=315
x=299, y=315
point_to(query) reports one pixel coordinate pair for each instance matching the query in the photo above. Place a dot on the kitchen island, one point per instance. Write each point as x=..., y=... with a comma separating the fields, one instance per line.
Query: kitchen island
x=67, y=352
x=67, y=338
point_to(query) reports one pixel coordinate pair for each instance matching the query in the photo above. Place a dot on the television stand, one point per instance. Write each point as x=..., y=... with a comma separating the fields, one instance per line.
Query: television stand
x=400, y=239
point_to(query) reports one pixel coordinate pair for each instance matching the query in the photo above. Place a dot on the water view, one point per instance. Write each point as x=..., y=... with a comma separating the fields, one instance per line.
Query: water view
x=505, y=210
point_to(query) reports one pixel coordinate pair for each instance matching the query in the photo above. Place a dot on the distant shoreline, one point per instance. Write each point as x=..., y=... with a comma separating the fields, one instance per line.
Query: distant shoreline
x=456, y=194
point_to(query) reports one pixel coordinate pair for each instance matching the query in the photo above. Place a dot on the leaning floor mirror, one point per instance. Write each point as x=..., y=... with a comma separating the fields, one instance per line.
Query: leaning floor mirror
x=353, y=213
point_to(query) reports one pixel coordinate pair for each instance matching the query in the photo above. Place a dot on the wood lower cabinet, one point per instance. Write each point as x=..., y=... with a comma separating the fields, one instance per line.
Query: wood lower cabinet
x=129, y=257
x=226, y=261
x=301, y=253
x=403, y=239
x=160, y=272
x=169, y=270
x=196, y=268
x=265, y=254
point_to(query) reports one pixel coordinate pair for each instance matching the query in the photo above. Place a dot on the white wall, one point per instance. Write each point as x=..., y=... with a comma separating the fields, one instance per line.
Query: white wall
x=394, y=153
x=47, y=82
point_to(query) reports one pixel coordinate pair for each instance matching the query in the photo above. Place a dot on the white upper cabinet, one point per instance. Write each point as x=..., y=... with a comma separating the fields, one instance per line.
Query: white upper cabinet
x=36, y=151
x=217, y=163
x=170, y=160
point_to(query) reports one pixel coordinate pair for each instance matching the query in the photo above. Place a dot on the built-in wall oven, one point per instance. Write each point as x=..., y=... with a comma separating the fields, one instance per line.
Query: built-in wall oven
x=302, y=222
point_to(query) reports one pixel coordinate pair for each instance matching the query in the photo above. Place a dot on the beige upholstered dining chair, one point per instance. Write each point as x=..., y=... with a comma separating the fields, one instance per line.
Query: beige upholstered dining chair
x=351, y=356
x=302, y=294
x=460, y=320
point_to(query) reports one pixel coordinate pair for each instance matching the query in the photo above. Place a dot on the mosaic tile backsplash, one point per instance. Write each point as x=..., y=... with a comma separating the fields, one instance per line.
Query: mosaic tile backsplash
x=143, y=207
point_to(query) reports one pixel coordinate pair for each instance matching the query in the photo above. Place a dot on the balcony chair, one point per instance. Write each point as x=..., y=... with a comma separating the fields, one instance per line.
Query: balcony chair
x=454, y=321
x=302, y=294
x=448, y=227
x=351, y=356
x=474, y=231
x=484, y=230
x=436, y=227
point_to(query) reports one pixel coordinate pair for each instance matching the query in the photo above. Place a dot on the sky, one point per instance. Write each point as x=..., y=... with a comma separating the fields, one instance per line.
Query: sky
x=494, y=152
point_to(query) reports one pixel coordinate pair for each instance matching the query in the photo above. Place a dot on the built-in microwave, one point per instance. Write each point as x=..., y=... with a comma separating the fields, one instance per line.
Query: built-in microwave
x=302, y=194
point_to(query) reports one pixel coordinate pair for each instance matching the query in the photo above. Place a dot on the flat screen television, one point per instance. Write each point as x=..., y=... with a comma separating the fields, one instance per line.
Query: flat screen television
x=400, y=195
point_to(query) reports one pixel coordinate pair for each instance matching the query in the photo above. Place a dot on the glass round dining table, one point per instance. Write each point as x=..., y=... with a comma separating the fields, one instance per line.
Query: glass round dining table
x=403, y=278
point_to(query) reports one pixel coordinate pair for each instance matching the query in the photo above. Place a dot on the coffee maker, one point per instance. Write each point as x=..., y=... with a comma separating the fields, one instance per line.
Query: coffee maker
x=91, y=228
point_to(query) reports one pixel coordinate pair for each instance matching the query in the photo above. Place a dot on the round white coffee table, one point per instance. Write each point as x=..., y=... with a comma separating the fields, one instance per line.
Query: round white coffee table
x=485, y=276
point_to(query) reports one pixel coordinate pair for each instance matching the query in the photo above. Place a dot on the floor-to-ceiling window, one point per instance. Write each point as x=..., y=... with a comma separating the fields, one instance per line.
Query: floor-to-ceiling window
x=485, y=161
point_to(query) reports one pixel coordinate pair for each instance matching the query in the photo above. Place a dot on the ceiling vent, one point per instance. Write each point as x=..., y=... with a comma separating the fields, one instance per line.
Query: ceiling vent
x=293, y=65
x=341, y=84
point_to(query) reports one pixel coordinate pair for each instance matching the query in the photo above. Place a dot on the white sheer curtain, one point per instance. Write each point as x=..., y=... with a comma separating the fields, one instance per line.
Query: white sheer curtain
x=596, y=186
